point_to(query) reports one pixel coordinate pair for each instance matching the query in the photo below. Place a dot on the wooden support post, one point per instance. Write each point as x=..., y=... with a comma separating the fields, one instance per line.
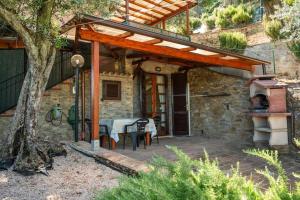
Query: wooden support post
x=82, y=136
x=95, y=99
x=154, y=95
x=187, y=11
x=127, y=9
x=164, y=24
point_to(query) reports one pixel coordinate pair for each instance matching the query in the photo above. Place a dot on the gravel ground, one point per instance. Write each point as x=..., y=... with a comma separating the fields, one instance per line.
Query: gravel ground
x=73, y=177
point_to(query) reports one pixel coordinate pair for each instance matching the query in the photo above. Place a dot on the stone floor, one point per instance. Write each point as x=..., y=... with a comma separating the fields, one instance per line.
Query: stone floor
x=226, y=154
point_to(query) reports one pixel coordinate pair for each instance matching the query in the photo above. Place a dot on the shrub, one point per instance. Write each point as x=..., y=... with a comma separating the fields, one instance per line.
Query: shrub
x=233, y=41
x=195, y=23
x=208, y=20
x=295, y=49
x=223, y=18
x=272, y=29
x=229, y=16
x=201, y=179
x=289, y=2
x=242, y=15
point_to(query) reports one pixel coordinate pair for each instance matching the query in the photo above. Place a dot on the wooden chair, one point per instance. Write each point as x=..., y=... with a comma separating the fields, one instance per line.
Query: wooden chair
x=103, y=131
x=135, y=135
x=157, y=122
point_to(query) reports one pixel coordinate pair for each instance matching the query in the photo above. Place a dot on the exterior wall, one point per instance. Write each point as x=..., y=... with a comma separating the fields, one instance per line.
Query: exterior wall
x=219, y=116
x=113, y=108
x=61, y=94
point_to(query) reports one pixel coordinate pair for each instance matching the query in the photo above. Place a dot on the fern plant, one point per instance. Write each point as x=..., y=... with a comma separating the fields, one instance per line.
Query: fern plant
x=188, y=179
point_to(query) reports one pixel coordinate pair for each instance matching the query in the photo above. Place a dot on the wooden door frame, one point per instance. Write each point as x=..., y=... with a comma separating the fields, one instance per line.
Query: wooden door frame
x=144, y=101
x=187, y=105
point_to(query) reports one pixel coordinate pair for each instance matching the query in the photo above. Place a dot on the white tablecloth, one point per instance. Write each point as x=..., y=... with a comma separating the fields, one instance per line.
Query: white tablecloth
x=116, y=126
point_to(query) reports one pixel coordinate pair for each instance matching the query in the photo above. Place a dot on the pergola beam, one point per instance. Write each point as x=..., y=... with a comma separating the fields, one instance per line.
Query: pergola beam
x=160, y=50
x=174, y=13
x=154, y=41
x=143, y=13
x=145, y=7
x=160, y=6
x=136, y=16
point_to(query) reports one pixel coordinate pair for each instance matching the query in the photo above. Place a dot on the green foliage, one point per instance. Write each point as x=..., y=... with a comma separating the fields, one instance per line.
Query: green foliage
x=188, y=179
x=229, y=16
x=272, y=29
x=289, y=16
x=233, y=41
x=295, y=49
x=242, y=15
x=43, y=17
x=195, y=23
x=208, y=20
x=222, y=18
x=289, y=2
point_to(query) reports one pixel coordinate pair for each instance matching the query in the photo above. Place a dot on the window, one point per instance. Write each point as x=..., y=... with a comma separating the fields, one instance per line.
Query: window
x=111, y=90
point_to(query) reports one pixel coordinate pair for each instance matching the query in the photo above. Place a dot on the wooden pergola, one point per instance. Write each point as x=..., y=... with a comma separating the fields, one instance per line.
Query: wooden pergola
x=152, y=12
x=148, y=41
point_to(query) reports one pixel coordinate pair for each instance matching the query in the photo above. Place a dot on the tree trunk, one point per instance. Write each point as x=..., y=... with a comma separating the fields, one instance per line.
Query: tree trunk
x=22, y=148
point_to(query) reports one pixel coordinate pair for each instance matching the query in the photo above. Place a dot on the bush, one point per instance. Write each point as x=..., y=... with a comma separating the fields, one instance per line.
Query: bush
x=195, y=23
x=209, y=21
x=242, y=15
x=229, y=16
x=188, y=179
x=272, y=29
x=289, y=2
x=233, y=41
x=295, y=49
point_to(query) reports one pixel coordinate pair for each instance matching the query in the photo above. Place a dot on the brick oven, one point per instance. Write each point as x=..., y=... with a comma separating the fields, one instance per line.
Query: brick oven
x=269, y=110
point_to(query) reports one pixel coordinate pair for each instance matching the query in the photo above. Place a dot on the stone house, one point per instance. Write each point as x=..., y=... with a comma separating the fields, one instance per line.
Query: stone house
x=142, y=72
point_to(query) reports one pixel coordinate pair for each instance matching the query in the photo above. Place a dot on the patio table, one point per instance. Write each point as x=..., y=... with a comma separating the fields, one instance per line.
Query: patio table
x=116, y=126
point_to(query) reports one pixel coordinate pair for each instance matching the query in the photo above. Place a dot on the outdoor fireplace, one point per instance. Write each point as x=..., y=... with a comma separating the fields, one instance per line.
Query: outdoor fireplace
x=268, y=110
x=259, y=103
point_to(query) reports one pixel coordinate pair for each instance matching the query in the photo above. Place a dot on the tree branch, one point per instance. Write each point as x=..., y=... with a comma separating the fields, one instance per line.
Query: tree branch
x=12, y=19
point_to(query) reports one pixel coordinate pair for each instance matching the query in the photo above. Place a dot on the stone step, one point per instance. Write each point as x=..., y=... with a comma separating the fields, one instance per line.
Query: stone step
x=112, y=159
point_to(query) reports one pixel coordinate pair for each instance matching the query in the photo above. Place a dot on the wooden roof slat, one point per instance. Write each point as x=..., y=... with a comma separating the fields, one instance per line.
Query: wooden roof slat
x=188, y=49
x=174, y=13
x=153, y=41
x=159, y=50
x=99, y=21
x=147, y=8
x=137, y=16
x=173, y=3
x=159, y=5
x=126, y=35
x=143, y=13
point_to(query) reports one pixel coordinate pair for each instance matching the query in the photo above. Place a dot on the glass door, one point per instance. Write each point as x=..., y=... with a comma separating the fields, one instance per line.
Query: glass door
x=155, y=101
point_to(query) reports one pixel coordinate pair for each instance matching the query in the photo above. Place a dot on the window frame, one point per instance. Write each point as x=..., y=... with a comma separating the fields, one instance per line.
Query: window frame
x=104, y=90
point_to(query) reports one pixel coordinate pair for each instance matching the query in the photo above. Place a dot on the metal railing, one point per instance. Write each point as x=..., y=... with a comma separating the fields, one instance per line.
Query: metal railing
x=10, y=90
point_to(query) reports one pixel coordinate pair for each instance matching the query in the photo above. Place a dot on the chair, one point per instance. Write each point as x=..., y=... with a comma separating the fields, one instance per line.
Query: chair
x=157, y=122
x=135, y=135
x=103, y=131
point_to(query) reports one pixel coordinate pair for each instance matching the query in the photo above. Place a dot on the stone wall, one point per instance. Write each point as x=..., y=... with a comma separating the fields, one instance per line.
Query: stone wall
x=60, y=94
x=113, y=108
x=260, y=47
x=219, y=116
